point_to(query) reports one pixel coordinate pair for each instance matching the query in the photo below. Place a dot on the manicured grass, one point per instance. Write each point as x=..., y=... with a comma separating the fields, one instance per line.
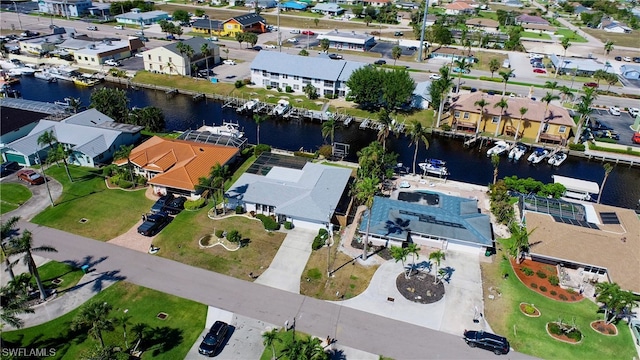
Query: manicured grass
x=488, y=15
x=528, y=335
x=12, y=196
x=569, y=34
x=535, y=35
x=57, y=270
x=110, y=212
x=284, y=340
x=164, y=339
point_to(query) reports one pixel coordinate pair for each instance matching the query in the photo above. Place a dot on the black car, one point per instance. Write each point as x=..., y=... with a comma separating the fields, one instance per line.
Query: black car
x=257, y=48
x=176, y=205
x=153, y=223
x=214, y=339
x=8, y=167
x=335, y=56
x=161, y=203
x=380, y=62
x=598, y=125
x=412, y=48
x=636, y=59
x=618, y=58
x=496, y=343
x=398, y=33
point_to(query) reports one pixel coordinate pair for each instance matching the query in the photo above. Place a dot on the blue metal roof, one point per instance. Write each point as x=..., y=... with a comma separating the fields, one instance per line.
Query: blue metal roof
x=294, y=5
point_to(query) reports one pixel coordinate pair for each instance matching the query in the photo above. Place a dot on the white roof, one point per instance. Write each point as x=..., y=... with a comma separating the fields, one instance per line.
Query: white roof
x=101, y=47
x=578, y=185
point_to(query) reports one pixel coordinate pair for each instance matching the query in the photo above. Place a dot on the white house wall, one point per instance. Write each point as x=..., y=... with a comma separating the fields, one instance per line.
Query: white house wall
x=157, y=60
x=297, y=83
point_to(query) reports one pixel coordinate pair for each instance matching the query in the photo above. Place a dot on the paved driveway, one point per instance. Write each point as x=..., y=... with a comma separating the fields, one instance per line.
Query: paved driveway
x=40, y=199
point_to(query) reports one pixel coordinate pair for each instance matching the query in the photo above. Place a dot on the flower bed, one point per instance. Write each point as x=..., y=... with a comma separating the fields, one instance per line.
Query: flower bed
x=540, y=278
x=603, y=328
x=529, y=310
x=562, y=332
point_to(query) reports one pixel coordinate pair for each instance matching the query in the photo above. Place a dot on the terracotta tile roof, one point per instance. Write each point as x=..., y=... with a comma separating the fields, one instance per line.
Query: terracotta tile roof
x=555, y=115
x=604, y=248
x=458, y=5
x=179, y=163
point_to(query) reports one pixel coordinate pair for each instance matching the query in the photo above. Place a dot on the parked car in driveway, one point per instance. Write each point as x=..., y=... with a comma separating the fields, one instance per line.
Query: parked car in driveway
x=614, y=110
x=8, y=167
x=606, y=134
x=229, y=62
x=492, y=342
x=161, y=203
x=176, y=205
x=540, y=71
x=30, y=176
x=153, y=223
x=212, y=342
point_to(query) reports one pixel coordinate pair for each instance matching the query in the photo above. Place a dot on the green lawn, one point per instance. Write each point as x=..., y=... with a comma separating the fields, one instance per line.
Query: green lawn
x=164, y=339
x=284, y=340
x=12, y=196
x=528, y=335
x=569, y=34
x=488, y=15
x=109, y=212
x=57, y=270
x=535, y=35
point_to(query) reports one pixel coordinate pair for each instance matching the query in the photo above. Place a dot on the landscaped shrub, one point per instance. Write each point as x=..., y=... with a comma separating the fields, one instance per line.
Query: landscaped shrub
x=125, y=184
x=314, y=274
x=239, y=209
x=553, y=280
x=234, y=236
x=528, y=309
x=259, y=149
x=563, y=297
x=238, y=84
x=574, y=335
x=288, y=89
x=320, y=240
x=555, y=329
x=268, y=222
x=326, y=151
x=553, y=292
x=195, y=204
x=543, y=288
x=527, y=271
x=446, y=127
x=219, y=233
x=288, y=225
x=571, y=291
x=304, y=154
x=534, y=285
x=576, y=147
x=541, y=274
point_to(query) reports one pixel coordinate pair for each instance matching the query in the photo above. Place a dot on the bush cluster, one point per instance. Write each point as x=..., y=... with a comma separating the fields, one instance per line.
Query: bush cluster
x=219, y=234
x=528, y=309
x=320, y=240
x=268, y=222
x=541, y=274
x=553, y=293
x=239, y=209
x=534, y=285
x=288, y=225
x=555, y=329
x=553, y=280
x=527, y=271
x=563, y=297
x=238, y=84
x=234, y=236
x=259, y=149
x=194, y=204
x=576, y=147
x=543, y=288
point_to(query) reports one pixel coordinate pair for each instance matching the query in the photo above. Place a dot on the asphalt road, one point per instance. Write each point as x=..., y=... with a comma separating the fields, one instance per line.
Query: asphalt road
x=353, y=328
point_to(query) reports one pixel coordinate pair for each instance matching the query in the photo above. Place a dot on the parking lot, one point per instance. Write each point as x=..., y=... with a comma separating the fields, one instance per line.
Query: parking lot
x=620, y=124
x=385, y=48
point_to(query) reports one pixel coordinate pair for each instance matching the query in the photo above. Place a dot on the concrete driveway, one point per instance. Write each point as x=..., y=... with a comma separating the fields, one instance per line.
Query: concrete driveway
x=40, y=199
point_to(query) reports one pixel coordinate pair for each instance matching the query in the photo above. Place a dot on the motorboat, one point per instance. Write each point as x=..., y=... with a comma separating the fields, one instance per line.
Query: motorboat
x=557, y=159
x=281, y=108
x=85, y=81
x=249, y=105
x=43, y=75
x=434, y=166
x=517, y=152
x=347, y=121
x=538, y=155
x=21, y=70
x=65, y=73
x=226, y=129
x=7, y=91
x=499, y=148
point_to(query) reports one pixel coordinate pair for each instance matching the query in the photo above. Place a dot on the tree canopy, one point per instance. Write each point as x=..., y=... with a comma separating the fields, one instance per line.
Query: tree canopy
x=373, y=88
x=181, y=15
x=114, y=103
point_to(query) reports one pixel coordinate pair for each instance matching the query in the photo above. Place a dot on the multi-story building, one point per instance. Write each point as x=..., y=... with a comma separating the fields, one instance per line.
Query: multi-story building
x=68, y=8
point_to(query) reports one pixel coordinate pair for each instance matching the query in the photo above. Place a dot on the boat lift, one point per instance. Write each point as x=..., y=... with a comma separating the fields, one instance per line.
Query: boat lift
x=577, y=188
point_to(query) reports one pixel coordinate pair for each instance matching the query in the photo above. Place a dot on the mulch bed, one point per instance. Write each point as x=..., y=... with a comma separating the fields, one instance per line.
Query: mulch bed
x=603, y=328
x=563, y=337
x=420, y=288
x=536, y=312
x=381, y=251
x=537, y=284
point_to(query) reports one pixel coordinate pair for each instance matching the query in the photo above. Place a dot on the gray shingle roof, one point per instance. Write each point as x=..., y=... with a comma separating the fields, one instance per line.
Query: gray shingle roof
x=249, y=19
x=321, y=68
x=194, y=42
x=207, y=24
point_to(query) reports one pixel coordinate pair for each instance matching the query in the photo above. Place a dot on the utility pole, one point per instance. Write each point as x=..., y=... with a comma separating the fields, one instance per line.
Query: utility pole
x=15, y=6
x=279, y=33
x=424, y=26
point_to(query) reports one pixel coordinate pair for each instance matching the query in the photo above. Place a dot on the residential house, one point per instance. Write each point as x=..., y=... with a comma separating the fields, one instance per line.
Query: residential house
x=376, y=3
x=530, y=19
x=294, y=5
x=613, y=26
x=278, y=70
x=245, y=23
x=96, y=53
x=459, y=8
x=91, y=137
x=100, y=10
x=348, y=40
x=137, y=17
x=482, y=23
x=540, y=28
x=421, y=97
x=306, y=194
x=67, y=8
x=554, y=123
x=428, y=218
x=169, y=60
x=43, y=44
x=20, y=116
x=331, y=9
x=578, y=66
x=453, y=54
x=407, y=5
x=208, y=26
x=262, y=4
x=631, y=72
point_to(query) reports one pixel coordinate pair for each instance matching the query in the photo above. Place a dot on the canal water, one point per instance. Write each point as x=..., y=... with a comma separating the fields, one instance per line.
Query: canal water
x=465, y=164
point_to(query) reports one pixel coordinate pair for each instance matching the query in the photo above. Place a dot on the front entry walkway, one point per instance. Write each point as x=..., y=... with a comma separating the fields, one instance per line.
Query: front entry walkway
x=287, y=266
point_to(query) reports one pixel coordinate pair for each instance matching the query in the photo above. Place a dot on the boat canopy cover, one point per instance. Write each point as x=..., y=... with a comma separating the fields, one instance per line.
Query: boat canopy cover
x=577, y=185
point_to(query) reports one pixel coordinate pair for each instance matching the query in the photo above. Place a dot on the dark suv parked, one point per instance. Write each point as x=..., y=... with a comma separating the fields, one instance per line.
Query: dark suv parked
x=498, y=344
x=161, y=203
x=214, y=339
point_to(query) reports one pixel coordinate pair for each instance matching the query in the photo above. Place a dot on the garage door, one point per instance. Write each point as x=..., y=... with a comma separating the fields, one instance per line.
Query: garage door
x=464, y=247
x=15, y=157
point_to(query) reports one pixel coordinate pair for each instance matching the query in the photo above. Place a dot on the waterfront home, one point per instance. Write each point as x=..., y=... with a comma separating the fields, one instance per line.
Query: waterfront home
x=171, y=165
x=428, y=218
x=331, y=9
x=97, y=52
x=91, y=137
x=553, y=124
x=137, y=17
x=20, y=116
x=272, y=69
x=250, y=22
x=421, y=96
x=169, y=60
x=348, y=40
x=291, y=189
x=41, y=45
x=68, y=8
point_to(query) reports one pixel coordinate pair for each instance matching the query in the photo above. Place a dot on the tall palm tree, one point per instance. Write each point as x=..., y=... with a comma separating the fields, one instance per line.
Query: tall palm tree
x=8, y=230
x=12, y=307
x=259, y=119
x=328, y=129
x=436, y=256
x=269, y=338
x=584, y=109
x=523, y=110
x=502, y=104
x=520, y=244
x=124, y=152
x=385, y=127
x=414, y=251
x=400, y=253
x=47, y=138
x=566, y=93
x=553, y=85
x=75, y=104
x=204, y=49
x=219, y=175
x=608, y=46
x=547, y=99
x=565, y=45
x=495, y=161
x=444, y=85
x=365, y=190
x=396, y=52
x=417, y=133
x=505, y=75
x=607, y=170
x=94, y=317
x=463, y=65
x=23, y=246
x=482, y=103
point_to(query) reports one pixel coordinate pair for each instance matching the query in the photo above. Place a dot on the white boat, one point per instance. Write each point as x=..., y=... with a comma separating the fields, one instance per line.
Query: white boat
x=43, y=75
x=517, y=152
x=63, y=73
x=347, y=121
x=537, y=155
x=226, y=129
x=434, y=166
x=499, y=148
x=281, y=108
x=249, y=105
x=557, y=159
x=21, y=70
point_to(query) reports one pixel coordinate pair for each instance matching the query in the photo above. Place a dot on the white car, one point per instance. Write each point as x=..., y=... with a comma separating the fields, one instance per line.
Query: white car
x=435, y=77
x=229, y=62
x=634, y=112
x=112, y=62
x=295, y=31
x=119, y=27
x=614, y=110
x=270, y=46
x=139, y=55
x=626, y=58
x=292, y=40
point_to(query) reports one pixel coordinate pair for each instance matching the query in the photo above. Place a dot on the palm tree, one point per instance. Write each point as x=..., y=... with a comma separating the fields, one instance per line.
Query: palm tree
x=482, y=103
x=328, y=129
x=506, y=75
x=417, y=133
x=551, y=85
x=547, y=99
x=400, y=253
x=495, y=161
x=463, y=65
x=436, y=256
x=23, y=245
x=566, y=93
x=8, y=230
x=12, y=307
x=494, y=65
x=95, y=317
x=48, y=138
x=139, y=330
x=75, y=104
x=219, y=175
x=396, y=52
x=269, y=338
x=414, y=250
x=523, y=110
x=259, y=119
x=608, y=46
x=565, y=45
x=520, y=244
x=607, y=170
x=365, y=190
x=204, y=49
x=502, y=104
x=444, y=84
x=385, y=127
x=124, y=152
x=123, y=320
x=614, y=300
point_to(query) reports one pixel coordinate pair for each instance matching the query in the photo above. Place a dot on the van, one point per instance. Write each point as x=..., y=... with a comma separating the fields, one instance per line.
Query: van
x=506, y=64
